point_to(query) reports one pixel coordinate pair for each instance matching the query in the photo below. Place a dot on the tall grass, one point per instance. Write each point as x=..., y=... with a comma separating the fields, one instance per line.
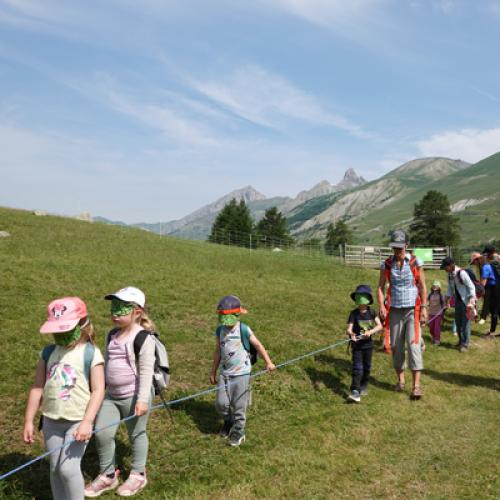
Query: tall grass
x=303, y=440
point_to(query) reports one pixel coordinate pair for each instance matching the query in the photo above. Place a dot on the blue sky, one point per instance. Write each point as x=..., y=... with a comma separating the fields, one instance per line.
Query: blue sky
x=145, y=111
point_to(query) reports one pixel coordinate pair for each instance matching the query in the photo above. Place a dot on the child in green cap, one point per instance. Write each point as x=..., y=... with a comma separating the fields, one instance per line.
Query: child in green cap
x=363, y=322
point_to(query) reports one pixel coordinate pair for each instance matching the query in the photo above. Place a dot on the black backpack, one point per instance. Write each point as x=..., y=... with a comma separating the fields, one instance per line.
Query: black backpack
x=480, y=291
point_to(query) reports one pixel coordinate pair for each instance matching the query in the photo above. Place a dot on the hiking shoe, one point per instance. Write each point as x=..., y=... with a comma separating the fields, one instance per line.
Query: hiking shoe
x=364, y=391
x=399, y=387
x=236, y=438
x=416, y=393
x=226, y=428
x=489, y=336
x=101, y=484
x=134, y=483
x=354, y=396
x=463, y=348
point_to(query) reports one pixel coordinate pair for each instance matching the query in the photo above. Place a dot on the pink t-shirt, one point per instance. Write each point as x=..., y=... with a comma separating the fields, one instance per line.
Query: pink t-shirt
x=121, y=380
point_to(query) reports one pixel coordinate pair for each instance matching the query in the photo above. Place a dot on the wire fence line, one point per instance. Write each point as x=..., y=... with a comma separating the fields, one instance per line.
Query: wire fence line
x=168, y=404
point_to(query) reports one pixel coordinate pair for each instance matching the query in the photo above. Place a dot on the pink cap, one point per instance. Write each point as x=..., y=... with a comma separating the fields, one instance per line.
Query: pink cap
x=64, y=314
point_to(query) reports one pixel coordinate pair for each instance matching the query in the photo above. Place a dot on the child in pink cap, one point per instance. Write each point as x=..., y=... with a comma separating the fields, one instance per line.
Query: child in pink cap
x=69, y=387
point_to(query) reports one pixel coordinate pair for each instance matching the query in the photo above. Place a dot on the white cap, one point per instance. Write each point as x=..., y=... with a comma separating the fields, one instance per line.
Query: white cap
x=129, y=294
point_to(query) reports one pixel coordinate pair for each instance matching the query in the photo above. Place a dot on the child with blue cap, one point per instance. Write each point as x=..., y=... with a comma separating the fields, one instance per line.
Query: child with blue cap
x=363, y=322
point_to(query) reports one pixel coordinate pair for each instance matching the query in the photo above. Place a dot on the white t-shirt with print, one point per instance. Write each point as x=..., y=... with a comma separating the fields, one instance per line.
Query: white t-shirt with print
x=234, y=358
x=66, y=393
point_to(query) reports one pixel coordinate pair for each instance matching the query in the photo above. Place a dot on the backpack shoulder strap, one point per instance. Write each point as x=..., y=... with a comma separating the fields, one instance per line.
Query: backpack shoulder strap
x=414, y=268
x=245, y=336
x=88, y=357
x=139, y=340
x=110, y=334
x=218, y=331
x=47, y=351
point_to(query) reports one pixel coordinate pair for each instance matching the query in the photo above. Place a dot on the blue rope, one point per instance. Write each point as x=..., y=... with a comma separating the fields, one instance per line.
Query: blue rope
x=169, y=403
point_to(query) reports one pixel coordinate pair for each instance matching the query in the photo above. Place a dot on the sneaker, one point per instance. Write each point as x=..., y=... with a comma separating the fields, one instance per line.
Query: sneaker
x=354, y=396
x=399, y=387
x=134, y=483
x=101, y=484
x=364, y=391
x=226, y=428
x=482, y=321
x=236, y=438
x=489, y=336
x=463, y=348
x=416, y=393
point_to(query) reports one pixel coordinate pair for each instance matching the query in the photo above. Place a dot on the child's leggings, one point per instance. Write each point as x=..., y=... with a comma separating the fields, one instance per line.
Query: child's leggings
x=232, y=399
x=435, y=328
x=66, y=479
x=111, y=411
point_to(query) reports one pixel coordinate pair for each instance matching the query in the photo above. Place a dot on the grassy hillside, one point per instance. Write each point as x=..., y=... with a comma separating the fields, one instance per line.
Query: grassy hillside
x=479, y=222
x=303, y=441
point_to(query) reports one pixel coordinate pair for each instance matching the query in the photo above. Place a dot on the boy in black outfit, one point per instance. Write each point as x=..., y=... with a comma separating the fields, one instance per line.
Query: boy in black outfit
x=361, y=325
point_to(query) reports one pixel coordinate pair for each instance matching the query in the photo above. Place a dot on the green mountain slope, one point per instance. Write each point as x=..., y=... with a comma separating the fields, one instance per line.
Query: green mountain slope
x=477, y=185
x=303, y=441
x=383, y=192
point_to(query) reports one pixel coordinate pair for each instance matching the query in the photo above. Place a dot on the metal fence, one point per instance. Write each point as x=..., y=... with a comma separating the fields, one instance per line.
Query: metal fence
x=372, y=256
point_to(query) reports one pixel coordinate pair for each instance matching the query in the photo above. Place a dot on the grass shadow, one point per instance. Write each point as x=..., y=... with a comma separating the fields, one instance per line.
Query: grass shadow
x=465, y=380
x=32, y=482
x=345, y=366
x=203, y=414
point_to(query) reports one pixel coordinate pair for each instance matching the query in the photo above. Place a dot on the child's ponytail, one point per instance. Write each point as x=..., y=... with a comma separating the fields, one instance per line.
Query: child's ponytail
x=146, y=322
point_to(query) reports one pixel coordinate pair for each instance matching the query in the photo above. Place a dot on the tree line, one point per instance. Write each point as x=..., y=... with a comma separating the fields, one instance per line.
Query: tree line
x=433, y=224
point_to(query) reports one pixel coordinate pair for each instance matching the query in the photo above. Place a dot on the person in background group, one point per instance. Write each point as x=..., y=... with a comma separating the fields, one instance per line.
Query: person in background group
x=436, y=311
x=490, y=279
x=69, y=385
x=129, y=382
x=407, y=305
x=477, y=259
x=461, y=287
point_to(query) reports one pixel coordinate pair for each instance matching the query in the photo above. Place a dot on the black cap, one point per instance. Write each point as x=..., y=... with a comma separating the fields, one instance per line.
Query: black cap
x=489, y=250
x=363, y=289
x=447, y=261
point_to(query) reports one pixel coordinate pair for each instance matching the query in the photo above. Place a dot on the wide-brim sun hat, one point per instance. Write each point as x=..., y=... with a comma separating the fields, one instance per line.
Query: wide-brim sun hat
x=363, y=289
x=64, y=314
x=230, y=304
x=474, y=256
x=129, y=294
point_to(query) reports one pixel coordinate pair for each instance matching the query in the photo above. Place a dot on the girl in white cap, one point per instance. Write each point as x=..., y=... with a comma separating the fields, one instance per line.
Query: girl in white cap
x=129, y=383
x=69, y=386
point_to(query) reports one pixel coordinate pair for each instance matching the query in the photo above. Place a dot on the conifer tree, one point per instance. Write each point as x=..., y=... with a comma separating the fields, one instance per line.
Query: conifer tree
x=233, y=225
x=338, y=234
x=272, y=231
x=433, y=223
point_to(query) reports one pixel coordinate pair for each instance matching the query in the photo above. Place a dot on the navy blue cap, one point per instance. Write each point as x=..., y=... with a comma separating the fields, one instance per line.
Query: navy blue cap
x=365, y=289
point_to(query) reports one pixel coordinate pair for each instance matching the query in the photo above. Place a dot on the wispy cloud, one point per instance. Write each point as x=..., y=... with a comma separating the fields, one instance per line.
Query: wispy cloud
x=470, y=145
x=270, y=100
x=489, y=96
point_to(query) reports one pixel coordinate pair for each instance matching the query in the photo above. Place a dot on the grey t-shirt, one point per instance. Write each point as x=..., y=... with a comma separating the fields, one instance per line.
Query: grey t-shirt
x=234, y=358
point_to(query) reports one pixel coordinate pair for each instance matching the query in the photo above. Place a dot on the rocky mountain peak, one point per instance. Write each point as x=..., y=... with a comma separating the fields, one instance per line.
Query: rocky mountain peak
x=351, y=179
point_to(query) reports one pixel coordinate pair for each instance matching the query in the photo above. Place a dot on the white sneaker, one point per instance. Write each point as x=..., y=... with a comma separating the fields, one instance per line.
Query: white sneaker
x=482, y=321
x=354, y=396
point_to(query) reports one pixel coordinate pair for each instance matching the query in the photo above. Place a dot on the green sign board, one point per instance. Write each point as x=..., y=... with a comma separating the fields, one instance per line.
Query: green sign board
x=424, y=254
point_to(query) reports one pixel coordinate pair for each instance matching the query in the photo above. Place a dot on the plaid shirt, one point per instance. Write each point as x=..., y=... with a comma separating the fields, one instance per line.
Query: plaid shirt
x=404, y=292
